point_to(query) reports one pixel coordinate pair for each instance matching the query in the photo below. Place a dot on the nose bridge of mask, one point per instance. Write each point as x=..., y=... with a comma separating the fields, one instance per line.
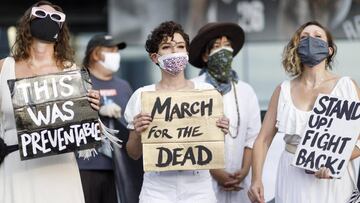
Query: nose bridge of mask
x=315, y=45
x=110, y=54
x=111, y=60
x=44, y=29
x=220, y=49
x=173, y=63
x=176, y=54
x=162, y=58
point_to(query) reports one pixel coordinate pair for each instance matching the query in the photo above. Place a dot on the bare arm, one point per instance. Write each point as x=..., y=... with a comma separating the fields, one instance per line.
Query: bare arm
x=266, y=135
x=261, y=146
x=253, y=128
x=355, y=154
x=246, y=164
x=134, y=146
x=1, y=64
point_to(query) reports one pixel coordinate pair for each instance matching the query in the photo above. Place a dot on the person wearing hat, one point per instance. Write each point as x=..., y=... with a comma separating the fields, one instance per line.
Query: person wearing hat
x=212, y=50
x=102, y=58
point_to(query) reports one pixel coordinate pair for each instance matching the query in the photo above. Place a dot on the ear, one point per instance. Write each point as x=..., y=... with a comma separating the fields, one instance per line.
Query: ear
x=154, y=58
x=331, y=51
x=205, y=57
x=97, y=55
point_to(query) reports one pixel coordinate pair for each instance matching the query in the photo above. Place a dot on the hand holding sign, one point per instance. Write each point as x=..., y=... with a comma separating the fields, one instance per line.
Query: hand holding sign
x=141, y=122
x=94, y=99
x=223, y=123
x=323, y=173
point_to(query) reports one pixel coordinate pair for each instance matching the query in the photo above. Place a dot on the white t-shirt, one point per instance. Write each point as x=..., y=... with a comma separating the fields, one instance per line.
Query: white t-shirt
x=171, y=186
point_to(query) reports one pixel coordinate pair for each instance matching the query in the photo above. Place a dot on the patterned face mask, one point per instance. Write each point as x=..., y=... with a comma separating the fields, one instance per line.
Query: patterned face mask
x=173, y=63
x=219, y=64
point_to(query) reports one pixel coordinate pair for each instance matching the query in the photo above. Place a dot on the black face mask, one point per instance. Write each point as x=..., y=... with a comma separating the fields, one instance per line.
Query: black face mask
x=45, y=29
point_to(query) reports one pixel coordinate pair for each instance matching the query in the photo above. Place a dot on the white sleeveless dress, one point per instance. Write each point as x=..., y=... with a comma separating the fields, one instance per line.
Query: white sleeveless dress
x=53, y=179
x=293, y=185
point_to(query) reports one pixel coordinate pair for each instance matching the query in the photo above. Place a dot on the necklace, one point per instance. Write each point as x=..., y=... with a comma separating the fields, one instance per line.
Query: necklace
x=317, y=83
x=237, y=111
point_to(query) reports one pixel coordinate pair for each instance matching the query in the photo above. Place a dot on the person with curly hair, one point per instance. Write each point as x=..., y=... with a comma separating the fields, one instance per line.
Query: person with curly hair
x=307, y=58
x=168, y=46
x=41, y=47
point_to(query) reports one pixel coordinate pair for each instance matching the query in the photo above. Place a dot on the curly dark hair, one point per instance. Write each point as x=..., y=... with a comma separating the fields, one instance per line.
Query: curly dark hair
x=290, y=58
x=165, y=29
x=64, y=54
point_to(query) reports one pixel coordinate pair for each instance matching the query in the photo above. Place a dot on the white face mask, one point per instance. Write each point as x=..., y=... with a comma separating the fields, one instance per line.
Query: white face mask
x=111, y=61
x=173, y=63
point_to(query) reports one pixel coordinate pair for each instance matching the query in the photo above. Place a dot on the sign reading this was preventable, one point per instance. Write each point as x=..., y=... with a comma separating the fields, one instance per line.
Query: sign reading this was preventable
x=53, y=115
x=330, y=135
x=183, y=134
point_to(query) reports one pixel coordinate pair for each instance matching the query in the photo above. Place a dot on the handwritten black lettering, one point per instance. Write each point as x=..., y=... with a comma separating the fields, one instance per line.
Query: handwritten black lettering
x=180, y=156
x=171, y=111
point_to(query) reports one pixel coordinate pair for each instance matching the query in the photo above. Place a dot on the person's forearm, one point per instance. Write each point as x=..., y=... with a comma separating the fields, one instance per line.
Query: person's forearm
x=134, y=146
x=258, y=157
x=247, y=159
x=355, y=153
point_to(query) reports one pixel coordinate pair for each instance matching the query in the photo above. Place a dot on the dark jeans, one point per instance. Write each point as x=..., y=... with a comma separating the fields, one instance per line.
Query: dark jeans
x=98, y=186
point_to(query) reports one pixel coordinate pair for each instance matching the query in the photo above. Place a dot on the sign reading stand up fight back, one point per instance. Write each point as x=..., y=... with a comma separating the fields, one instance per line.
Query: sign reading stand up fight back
x=183, y=134
x=53, y=115
x=330, y=135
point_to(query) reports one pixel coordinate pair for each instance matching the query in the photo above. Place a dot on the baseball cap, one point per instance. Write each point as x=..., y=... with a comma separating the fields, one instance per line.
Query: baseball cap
x=104, y=40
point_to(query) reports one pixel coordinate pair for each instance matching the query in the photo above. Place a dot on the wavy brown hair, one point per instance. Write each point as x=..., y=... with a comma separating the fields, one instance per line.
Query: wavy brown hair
x=290, y=58
x=63, y=53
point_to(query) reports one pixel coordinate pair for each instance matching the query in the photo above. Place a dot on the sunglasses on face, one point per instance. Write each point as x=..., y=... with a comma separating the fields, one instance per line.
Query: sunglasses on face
x=54, y=15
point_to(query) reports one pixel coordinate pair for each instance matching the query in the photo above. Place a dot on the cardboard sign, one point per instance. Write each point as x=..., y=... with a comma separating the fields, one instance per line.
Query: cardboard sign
x=330, y=135
x=53, y=115
x=183, y=134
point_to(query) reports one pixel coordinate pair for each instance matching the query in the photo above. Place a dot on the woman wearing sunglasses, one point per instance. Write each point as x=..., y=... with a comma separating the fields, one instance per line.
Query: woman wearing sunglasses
x=41, y=47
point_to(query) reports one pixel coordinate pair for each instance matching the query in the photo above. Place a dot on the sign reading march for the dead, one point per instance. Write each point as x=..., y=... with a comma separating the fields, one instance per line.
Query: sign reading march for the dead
x=183, y=134
x=330, y=135
x=53, y=115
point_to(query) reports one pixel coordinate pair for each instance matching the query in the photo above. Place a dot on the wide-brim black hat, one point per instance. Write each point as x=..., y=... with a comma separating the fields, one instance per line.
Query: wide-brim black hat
x=211, y=31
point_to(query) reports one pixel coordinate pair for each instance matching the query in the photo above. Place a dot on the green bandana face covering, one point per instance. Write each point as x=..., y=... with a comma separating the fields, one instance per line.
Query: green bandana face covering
x=219, y=64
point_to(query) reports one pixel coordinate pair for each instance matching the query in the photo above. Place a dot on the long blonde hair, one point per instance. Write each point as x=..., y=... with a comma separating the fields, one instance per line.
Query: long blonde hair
x=290, y=58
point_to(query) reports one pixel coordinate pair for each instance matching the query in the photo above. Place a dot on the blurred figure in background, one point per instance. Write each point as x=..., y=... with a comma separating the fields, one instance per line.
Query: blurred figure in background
x=101, y=174
x=292, y=13
x=212, y=50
